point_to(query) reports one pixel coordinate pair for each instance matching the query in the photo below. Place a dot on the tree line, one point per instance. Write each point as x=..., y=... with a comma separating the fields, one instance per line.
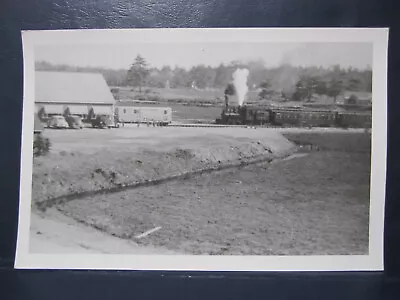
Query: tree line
x=295, y=82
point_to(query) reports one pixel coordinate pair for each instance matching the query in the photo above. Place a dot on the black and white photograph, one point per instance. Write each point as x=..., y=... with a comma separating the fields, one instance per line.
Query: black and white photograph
x=203, y=149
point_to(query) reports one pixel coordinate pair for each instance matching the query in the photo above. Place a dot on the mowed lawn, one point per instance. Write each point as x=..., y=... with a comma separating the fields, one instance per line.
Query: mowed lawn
x=180, y=94
x=311, y=205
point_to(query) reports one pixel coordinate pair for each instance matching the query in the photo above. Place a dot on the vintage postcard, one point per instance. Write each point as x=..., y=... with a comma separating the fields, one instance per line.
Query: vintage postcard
x=258, y=149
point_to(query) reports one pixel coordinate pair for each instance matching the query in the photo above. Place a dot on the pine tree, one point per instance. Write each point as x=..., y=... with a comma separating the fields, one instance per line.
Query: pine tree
x=138, y=72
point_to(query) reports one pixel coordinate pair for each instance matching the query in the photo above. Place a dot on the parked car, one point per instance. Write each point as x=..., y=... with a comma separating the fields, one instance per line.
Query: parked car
x=102, y=122
x=74, y=122
x=57, y=122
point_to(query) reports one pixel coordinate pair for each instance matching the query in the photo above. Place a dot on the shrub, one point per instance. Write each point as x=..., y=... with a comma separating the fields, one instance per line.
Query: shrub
x=41, y=145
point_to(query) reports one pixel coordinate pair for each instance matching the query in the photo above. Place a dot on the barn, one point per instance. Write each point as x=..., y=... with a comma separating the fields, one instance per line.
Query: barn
x=75, y=93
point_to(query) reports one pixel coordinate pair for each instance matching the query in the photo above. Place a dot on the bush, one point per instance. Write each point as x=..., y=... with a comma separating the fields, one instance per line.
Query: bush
x=41, y=145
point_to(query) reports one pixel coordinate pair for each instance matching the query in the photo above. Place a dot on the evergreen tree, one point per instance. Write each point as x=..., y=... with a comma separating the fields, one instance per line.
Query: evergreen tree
x=138, y=72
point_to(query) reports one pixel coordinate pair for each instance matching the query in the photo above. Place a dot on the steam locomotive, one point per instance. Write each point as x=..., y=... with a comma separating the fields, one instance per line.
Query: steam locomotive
x=293, y=117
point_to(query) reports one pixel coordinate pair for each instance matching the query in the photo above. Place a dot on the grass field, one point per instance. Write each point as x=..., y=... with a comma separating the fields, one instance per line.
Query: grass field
x=278, y=209
x=334, y=141
x=210, y=96
x=179, y=95
x=312, y=204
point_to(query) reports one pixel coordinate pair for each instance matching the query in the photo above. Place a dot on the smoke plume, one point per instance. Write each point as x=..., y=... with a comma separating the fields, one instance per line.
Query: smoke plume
x=284, y=79
x=240, y=83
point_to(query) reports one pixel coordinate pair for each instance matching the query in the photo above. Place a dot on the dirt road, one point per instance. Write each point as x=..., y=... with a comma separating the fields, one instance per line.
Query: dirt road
x=55, y=233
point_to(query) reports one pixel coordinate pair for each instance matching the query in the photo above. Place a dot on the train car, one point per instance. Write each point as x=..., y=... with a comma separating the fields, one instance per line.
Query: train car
x=304, y=118
x=285, y=117
x=354, y=120
x=133, y=114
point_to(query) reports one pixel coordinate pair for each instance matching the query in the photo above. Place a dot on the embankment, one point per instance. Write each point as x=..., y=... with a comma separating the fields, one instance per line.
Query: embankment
x=64, y=175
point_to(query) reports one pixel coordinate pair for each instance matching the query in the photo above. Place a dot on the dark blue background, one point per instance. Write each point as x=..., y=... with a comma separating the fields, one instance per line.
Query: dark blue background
x=16, y=15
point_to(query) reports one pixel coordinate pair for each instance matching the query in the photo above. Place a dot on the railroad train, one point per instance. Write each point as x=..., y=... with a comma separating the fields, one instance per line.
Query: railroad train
x=294, y=117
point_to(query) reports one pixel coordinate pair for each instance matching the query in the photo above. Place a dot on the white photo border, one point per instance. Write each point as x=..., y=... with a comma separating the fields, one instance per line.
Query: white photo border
x=371, y=262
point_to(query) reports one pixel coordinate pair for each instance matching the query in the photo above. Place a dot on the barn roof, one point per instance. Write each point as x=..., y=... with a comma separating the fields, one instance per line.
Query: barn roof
x=71, y=87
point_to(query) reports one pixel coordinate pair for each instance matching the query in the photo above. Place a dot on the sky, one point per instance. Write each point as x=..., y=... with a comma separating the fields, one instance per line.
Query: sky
x=186, y=55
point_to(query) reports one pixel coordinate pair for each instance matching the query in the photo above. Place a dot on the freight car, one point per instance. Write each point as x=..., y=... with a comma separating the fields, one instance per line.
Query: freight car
x=293, y=117
x=133, y=114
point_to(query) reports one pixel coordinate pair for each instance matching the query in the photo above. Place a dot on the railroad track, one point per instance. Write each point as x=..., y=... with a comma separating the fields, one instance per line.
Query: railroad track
x=280, y=128
x=270, y=126
x=211, y=125
x=204, y=125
